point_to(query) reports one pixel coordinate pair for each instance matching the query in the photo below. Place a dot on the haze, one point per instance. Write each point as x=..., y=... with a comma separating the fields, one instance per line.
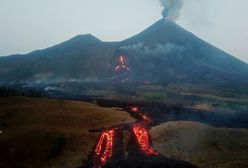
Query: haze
x=28, y=25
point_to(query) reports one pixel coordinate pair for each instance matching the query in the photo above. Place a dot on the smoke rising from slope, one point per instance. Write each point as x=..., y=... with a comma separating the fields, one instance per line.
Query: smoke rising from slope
x=158, y=50
x=172, y=9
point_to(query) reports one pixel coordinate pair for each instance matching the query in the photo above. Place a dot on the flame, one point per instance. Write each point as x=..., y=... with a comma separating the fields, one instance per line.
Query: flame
x=142, y=139
x=104, y=147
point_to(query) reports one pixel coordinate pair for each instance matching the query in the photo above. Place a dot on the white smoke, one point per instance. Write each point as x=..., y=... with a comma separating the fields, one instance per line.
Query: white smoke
x=172, y=9
x=159, y=49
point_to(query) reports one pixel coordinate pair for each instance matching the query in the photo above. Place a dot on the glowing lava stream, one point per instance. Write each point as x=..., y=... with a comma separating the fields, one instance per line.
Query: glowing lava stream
x=104, y=147
x=122, y=65
x=122, y=68
x=142, y=137
x=141, y=133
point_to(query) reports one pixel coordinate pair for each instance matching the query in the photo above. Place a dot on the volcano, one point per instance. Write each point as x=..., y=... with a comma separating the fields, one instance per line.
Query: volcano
x=164, y=52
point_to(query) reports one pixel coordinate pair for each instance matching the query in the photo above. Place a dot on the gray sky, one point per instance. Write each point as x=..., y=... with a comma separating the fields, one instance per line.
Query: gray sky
x=27, y=25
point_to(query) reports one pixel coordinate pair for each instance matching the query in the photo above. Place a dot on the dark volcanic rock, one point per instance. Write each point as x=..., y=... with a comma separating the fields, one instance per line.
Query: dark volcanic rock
x=155, y=162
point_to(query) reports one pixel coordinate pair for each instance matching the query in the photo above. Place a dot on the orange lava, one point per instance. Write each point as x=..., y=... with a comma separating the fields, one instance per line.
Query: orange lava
x=135, y=109
x=122, y=68
x=122, y=60
x=142, y=138
x=104, y=148
x=146, y=118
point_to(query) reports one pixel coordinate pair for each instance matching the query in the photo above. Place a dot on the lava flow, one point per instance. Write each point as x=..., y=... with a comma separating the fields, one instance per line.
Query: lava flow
x=141, y=133
x=104, y=147
x=122, y=68
x=142, y=137
x=141, y=116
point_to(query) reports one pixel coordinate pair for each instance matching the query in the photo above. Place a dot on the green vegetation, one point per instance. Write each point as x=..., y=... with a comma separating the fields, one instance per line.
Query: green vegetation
x=153, y=96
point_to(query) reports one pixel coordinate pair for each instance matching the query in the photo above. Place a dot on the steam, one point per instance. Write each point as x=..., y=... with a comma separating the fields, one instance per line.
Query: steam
x=158, y=50
x=172, y=9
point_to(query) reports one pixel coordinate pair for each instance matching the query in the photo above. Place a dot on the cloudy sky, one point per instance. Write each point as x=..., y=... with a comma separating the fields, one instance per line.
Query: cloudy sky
x=27, y=25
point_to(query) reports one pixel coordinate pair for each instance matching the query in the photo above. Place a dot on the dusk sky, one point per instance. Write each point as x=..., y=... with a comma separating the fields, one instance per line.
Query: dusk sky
x=27, y=25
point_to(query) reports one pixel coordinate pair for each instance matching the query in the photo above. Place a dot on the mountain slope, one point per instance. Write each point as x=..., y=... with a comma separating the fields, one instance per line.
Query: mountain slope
x=162, y=53
x=75, y=58
x=180, y=55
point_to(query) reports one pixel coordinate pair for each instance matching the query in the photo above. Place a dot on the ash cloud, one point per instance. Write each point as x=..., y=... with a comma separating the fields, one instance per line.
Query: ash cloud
x=172, y=9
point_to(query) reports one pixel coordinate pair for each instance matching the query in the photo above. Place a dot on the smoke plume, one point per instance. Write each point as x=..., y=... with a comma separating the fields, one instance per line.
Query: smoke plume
x=158, y=50
x=172, y=8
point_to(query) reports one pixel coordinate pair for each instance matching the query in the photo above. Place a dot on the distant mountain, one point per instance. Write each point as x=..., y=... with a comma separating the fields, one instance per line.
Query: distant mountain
x=82, y=57
x=162, y=53
x=167, y=52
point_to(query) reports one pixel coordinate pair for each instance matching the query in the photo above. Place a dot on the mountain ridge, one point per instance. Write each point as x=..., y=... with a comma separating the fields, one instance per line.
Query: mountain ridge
x=164, y=52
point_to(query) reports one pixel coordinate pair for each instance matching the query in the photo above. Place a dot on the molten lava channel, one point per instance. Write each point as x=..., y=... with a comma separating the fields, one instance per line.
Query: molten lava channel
x=142, y=138
x=104, y=147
